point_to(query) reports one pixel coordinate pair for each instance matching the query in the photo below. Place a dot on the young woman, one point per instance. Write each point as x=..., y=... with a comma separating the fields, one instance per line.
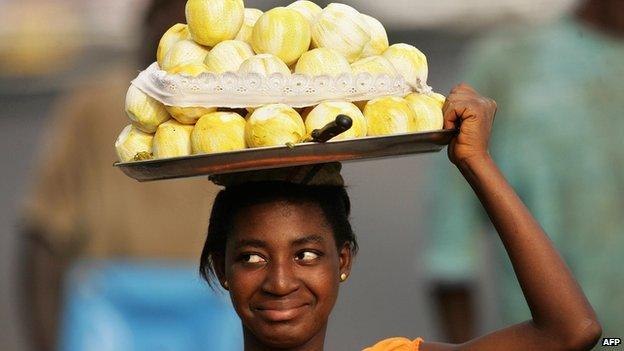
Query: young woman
x=282, y=249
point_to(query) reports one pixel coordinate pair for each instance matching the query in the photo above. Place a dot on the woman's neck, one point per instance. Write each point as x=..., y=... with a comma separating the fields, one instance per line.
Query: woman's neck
x=316, y=343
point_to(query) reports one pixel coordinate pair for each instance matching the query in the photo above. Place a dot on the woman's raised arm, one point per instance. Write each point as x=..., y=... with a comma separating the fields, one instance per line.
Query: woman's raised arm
x=562, y=319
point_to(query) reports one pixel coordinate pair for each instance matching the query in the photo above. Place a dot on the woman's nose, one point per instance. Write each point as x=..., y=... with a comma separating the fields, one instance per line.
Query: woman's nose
x=280, y=279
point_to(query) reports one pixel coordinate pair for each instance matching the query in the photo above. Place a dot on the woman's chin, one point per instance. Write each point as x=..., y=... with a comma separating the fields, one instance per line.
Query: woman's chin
x=285, y=335
x=284, y=344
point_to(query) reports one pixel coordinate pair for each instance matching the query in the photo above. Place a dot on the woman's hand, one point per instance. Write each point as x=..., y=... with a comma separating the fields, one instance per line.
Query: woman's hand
x=547, y=284
x=474, y=114
x=562, y=318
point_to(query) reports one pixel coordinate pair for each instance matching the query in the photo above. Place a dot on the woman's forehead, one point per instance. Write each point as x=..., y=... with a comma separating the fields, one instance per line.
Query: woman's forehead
x=281, y=222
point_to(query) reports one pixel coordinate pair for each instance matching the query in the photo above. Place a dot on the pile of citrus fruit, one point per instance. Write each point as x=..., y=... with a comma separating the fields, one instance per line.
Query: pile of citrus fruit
x=302, y=38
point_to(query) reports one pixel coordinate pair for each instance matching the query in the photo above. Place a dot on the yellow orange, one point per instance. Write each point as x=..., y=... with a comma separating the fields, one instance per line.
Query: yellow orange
x=322, y=61
x=274, y=125
x=282, y=32
x=172, y=139
x=428, y=112
x=389, y=115
x=184, y=52
x=379, y=38
x=251, y=17
x=145, y=112
x=173, y=35
x=218, y=132
x=342, y=28
x=307, y=9
x=213, y=21
x=264, y=64
x=227, y=56
x=410, y=62
x=374, y=65
x=132, y=141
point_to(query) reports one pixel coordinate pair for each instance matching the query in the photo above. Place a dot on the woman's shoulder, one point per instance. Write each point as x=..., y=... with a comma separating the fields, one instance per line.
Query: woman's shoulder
x=396, y=344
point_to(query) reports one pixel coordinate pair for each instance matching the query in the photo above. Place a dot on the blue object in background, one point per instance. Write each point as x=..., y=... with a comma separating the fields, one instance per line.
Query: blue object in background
x=113, y=306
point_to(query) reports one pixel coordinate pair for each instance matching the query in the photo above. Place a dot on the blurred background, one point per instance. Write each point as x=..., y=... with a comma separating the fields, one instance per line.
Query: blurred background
x=57, y=56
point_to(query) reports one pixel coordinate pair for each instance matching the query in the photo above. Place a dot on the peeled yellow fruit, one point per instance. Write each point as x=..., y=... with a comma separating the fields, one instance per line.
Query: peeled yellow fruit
x=227, y=56
x=379, y=38
x=282, y=32
x=322, y=61
x=327, y=112
x=374, y=65
x=145, y=112
x=188, y=115
x=131, y=142
x=439, y=98
x=251, y=17
x=274, y=125
x=218, y=132
x=213, y=21
x=428, y=112
x=172, y=139
x=410, y=62
x=264, y=64
x=184, y=52
x=389, y=115
x=173, y=35
x=342, y=28
x=189, y=69
x=307, y=9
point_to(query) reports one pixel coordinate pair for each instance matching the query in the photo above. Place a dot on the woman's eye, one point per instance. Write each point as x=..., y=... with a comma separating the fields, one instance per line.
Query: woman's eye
x=307, y=256
x=252, y=258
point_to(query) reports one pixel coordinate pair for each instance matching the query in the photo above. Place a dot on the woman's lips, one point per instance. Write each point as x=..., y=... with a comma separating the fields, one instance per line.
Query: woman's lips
x=281, y=314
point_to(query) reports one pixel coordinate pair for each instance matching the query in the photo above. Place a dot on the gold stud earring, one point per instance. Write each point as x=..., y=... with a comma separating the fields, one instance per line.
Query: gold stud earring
x=226, y=285
x=343, y=277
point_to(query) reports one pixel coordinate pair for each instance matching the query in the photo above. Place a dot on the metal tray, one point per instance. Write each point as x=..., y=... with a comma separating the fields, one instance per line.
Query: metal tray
x=283, y=156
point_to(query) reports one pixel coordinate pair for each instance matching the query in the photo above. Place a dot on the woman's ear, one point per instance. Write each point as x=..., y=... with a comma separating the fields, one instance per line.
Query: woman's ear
x=218, y=261
x=346, y=259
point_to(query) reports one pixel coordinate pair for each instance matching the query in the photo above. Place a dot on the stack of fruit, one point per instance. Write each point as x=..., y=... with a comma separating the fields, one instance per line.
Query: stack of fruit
x=223, y=36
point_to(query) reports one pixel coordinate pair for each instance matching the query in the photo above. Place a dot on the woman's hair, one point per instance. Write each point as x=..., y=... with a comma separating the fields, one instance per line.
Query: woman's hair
x=333, y=201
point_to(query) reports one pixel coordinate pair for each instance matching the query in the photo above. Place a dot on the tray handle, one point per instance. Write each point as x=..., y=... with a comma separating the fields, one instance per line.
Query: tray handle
x=332, y=129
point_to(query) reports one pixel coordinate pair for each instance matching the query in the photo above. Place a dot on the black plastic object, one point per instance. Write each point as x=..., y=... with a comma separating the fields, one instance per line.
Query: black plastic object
x=332, y=129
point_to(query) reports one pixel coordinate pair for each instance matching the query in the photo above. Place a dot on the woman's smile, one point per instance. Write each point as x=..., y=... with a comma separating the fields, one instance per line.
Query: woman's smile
x=281, y=311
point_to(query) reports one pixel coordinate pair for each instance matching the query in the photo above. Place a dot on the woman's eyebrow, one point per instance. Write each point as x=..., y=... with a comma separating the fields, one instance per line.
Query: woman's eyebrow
x=250, y=243
x=310, y=239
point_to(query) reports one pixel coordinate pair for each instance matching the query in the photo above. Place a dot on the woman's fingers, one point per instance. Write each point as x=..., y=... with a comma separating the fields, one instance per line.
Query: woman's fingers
x=456, y=109
x=450, y=119
x=457, y=104
x=473, y=114
x=464, y=102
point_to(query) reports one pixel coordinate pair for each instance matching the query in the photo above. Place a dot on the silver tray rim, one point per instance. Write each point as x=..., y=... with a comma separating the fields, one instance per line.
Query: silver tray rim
x=388, y=146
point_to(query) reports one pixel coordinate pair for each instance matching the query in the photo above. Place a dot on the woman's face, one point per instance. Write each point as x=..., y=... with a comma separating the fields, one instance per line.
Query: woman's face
x=283, y=272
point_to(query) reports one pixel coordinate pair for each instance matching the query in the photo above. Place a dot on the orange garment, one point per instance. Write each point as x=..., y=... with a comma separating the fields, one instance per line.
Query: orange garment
x=396, y=344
